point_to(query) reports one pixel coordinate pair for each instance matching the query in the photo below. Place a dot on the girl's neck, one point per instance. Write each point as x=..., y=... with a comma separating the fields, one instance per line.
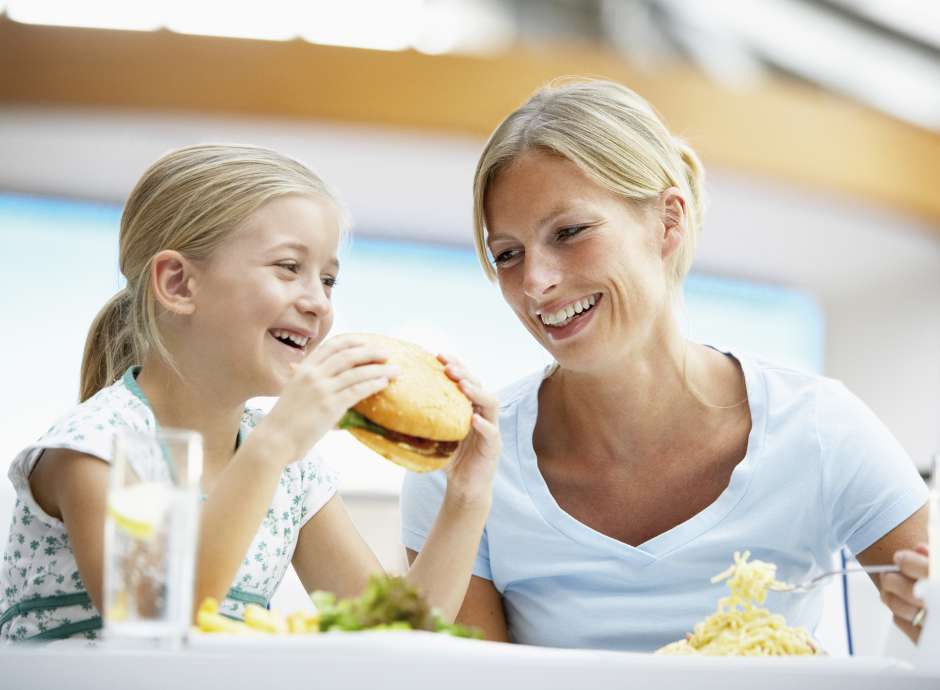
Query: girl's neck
x=189, y=403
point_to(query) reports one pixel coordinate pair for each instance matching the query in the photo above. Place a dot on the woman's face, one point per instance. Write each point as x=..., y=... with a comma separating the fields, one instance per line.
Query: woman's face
x=583, y=269
x=264, y=297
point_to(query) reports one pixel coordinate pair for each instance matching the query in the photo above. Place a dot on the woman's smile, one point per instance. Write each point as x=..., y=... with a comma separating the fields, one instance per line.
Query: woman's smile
x=570, y=319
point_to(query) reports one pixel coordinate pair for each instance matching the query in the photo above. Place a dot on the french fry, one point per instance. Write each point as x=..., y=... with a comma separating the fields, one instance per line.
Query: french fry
x=210, y=621
x=265, y=621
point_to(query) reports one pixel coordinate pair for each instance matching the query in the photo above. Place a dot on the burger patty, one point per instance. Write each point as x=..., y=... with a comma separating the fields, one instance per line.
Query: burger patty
x=424, y=446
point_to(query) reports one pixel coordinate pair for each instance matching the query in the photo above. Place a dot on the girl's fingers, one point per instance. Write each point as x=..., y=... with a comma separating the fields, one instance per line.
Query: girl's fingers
x=360, y=391
x=335, y=344
x=356, y=356
x=365, y=372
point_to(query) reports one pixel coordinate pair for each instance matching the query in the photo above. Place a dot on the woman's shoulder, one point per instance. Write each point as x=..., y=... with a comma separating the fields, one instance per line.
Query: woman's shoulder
x=511, y=395
x=783, y=383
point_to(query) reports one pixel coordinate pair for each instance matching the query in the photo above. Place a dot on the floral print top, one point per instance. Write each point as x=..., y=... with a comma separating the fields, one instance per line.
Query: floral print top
x=42, y=596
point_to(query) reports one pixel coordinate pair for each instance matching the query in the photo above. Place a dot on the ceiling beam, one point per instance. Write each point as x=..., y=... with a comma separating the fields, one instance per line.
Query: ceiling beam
x=773, y=128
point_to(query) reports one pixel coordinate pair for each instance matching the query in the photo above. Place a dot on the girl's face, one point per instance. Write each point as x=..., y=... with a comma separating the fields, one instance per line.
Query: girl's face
x=263, y=299
x=583, y=269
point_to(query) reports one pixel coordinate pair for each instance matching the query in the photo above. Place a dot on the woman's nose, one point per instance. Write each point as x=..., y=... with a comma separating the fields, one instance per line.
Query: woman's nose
x=541, y=274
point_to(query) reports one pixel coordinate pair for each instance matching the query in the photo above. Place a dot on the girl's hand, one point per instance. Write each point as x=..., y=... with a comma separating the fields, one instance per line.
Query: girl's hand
x=470, y=473
x=332, y=378
x=897, y=590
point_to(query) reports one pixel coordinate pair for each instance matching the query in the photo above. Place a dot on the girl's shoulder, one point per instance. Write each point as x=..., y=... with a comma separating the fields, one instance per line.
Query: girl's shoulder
x=88, y=428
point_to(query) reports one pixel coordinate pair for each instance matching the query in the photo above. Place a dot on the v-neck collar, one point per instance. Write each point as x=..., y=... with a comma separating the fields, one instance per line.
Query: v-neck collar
x=130, y=382
x=662, y=544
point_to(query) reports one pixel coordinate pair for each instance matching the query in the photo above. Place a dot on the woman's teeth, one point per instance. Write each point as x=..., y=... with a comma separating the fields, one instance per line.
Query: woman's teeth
x=288, y=338
x=563, y=316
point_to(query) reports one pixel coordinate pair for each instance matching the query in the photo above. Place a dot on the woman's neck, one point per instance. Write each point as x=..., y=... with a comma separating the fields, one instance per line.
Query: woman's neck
x=638, y=407
x=189, y=403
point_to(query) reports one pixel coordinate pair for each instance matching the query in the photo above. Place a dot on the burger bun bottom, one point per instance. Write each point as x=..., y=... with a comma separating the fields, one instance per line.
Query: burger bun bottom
x=399, y=454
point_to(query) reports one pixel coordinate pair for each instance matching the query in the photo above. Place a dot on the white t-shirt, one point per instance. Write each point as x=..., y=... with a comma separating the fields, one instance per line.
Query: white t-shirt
x=820, y=472
x=42, y=596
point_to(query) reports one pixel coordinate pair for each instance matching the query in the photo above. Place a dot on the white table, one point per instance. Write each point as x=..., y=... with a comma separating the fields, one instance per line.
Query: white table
x=386, y=661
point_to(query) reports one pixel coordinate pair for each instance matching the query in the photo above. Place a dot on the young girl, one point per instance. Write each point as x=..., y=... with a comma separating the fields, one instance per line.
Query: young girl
x=230, y=258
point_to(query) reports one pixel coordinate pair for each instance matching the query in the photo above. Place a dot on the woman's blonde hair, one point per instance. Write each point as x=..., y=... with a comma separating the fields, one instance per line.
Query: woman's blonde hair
x=614, y=136
x=189, y=201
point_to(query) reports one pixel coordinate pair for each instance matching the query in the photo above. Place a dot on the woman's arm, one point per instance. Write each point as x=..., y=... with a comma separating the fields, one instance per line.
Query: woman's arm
x=897, y=589
x=482, y=607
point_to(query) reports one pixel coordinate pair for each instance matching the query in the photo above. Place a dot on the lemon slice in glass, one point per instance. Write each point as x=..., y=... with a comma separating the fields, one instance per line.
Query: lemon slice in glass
x=138, y=509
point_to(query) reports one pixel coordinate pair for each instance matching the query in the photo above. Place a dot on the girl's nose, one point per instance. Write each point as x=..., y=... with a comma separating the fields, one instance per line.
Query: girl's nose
x=315, y=301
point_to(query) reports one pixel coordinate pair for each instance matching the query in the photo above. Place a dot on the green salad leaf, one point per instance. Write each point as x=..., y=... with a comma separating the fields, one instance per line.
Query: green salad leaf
x=388, y=603
x=353, y=420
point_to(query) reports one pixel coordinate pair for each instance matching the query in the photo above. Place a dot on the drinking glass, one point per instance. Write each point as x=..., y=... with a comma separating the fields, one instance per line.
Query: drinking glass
x=151, y=531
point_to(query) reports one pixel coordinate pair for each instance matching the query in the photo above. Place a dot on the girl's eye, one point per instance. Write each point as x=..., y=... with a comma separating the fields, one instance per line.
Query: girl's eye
x=291, y=266
x=329, y=281
x=568, y=233
x=505, y=257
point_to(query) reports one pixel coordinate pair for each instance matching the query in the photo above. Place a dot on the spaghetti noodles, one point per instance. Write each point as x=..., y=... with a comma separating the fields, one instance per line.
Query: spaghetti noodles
x=740, y=627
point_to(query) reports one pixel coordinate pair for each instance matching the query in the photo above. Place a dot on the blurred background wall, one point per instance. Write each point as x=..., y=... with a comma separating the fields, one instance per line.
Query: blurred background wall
x=817, y=121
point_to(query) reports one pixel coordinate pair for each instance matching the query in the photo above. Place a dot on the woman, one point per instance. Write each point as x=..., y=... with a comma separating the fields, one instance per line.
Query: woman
x=637, y=464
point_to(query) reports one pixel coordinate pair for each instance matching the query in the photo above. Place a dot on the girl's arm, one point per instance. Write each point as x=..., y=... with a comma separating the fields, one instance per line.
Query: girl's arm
x=73, y=487
x=331, y=379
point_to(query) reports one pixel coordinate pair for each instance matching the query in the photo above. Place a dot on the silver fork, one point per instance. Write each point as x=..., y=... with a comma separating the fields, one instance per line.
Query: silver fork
x=811, y=584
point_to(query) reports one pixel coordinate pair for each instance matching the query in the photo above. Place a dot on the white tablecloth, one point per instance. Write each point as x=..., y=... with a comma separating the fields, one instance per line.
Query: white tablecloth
x=386, y=661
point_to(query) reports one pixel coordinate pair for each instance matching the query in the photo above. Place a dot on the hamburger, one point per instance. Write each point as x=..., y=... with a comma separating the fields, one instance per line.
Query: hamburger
x=416, y=421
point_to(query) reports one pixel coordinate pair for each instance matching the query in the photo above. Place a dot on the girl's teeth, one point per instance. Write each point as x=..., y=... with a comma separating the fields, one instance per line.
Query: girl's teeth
x=299, y=340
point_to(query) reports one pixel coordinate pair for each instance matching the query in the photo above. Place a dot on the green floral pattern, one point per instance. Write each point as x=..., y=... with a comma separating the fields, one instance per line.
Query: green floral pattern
x=38, y=561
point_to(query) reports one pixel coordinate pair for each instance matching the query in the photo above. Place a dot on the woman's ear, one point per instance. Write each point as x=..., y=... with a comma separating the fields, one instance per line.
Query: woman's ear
x=172, y=276
x=673, y=218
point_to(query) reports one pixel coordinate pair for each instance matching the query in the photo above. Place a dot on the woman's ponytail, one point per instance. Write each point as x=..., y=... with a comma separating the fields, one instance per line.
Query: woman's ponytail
x=109, y=347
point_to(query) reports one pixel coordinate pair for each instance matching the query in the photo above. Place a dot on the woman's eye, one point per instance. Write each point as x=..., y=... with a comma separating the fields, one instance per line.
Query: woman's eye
x=567, y=233
x=329, y=281
x=505, y=257
x=291, y=266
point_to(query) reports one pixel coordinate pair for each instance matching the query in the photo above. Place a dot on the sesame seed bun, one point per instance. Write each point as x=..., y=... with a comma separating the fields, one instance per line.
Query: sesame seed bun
x=422, y=401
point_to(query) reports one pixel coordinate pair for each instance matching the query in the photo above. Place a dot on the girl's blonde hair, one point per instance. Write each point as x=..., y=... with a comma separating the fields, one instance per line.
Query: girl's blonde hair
x=189, y=201
x=614, y=136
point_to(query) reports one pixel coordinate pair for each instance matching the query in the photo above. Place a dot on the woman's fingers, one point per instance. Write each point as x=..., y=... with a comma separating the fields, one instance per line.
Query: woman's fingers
x=488, y=431
x=484, y=402
x=908, y=628
x=914, y=563
x=901, y=586
x=900, y=607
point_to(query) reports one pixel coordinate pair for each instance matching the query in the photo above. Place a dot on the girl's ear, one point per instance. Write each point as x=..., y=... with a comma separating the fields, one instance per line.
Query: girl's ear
x=172, y=276
x=673, y=218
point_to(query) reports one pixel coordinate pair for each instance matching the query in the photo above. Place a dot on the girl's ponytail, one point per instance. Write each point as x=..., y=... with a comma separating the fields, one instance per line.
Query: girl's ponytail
x=109, y=346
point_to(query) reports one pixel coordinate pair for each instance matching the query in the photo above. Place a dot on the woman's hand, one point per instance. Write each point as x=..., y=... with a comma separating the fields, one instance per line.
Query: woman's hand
x=332, y=378
x=470, y=473
x=897, y=590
